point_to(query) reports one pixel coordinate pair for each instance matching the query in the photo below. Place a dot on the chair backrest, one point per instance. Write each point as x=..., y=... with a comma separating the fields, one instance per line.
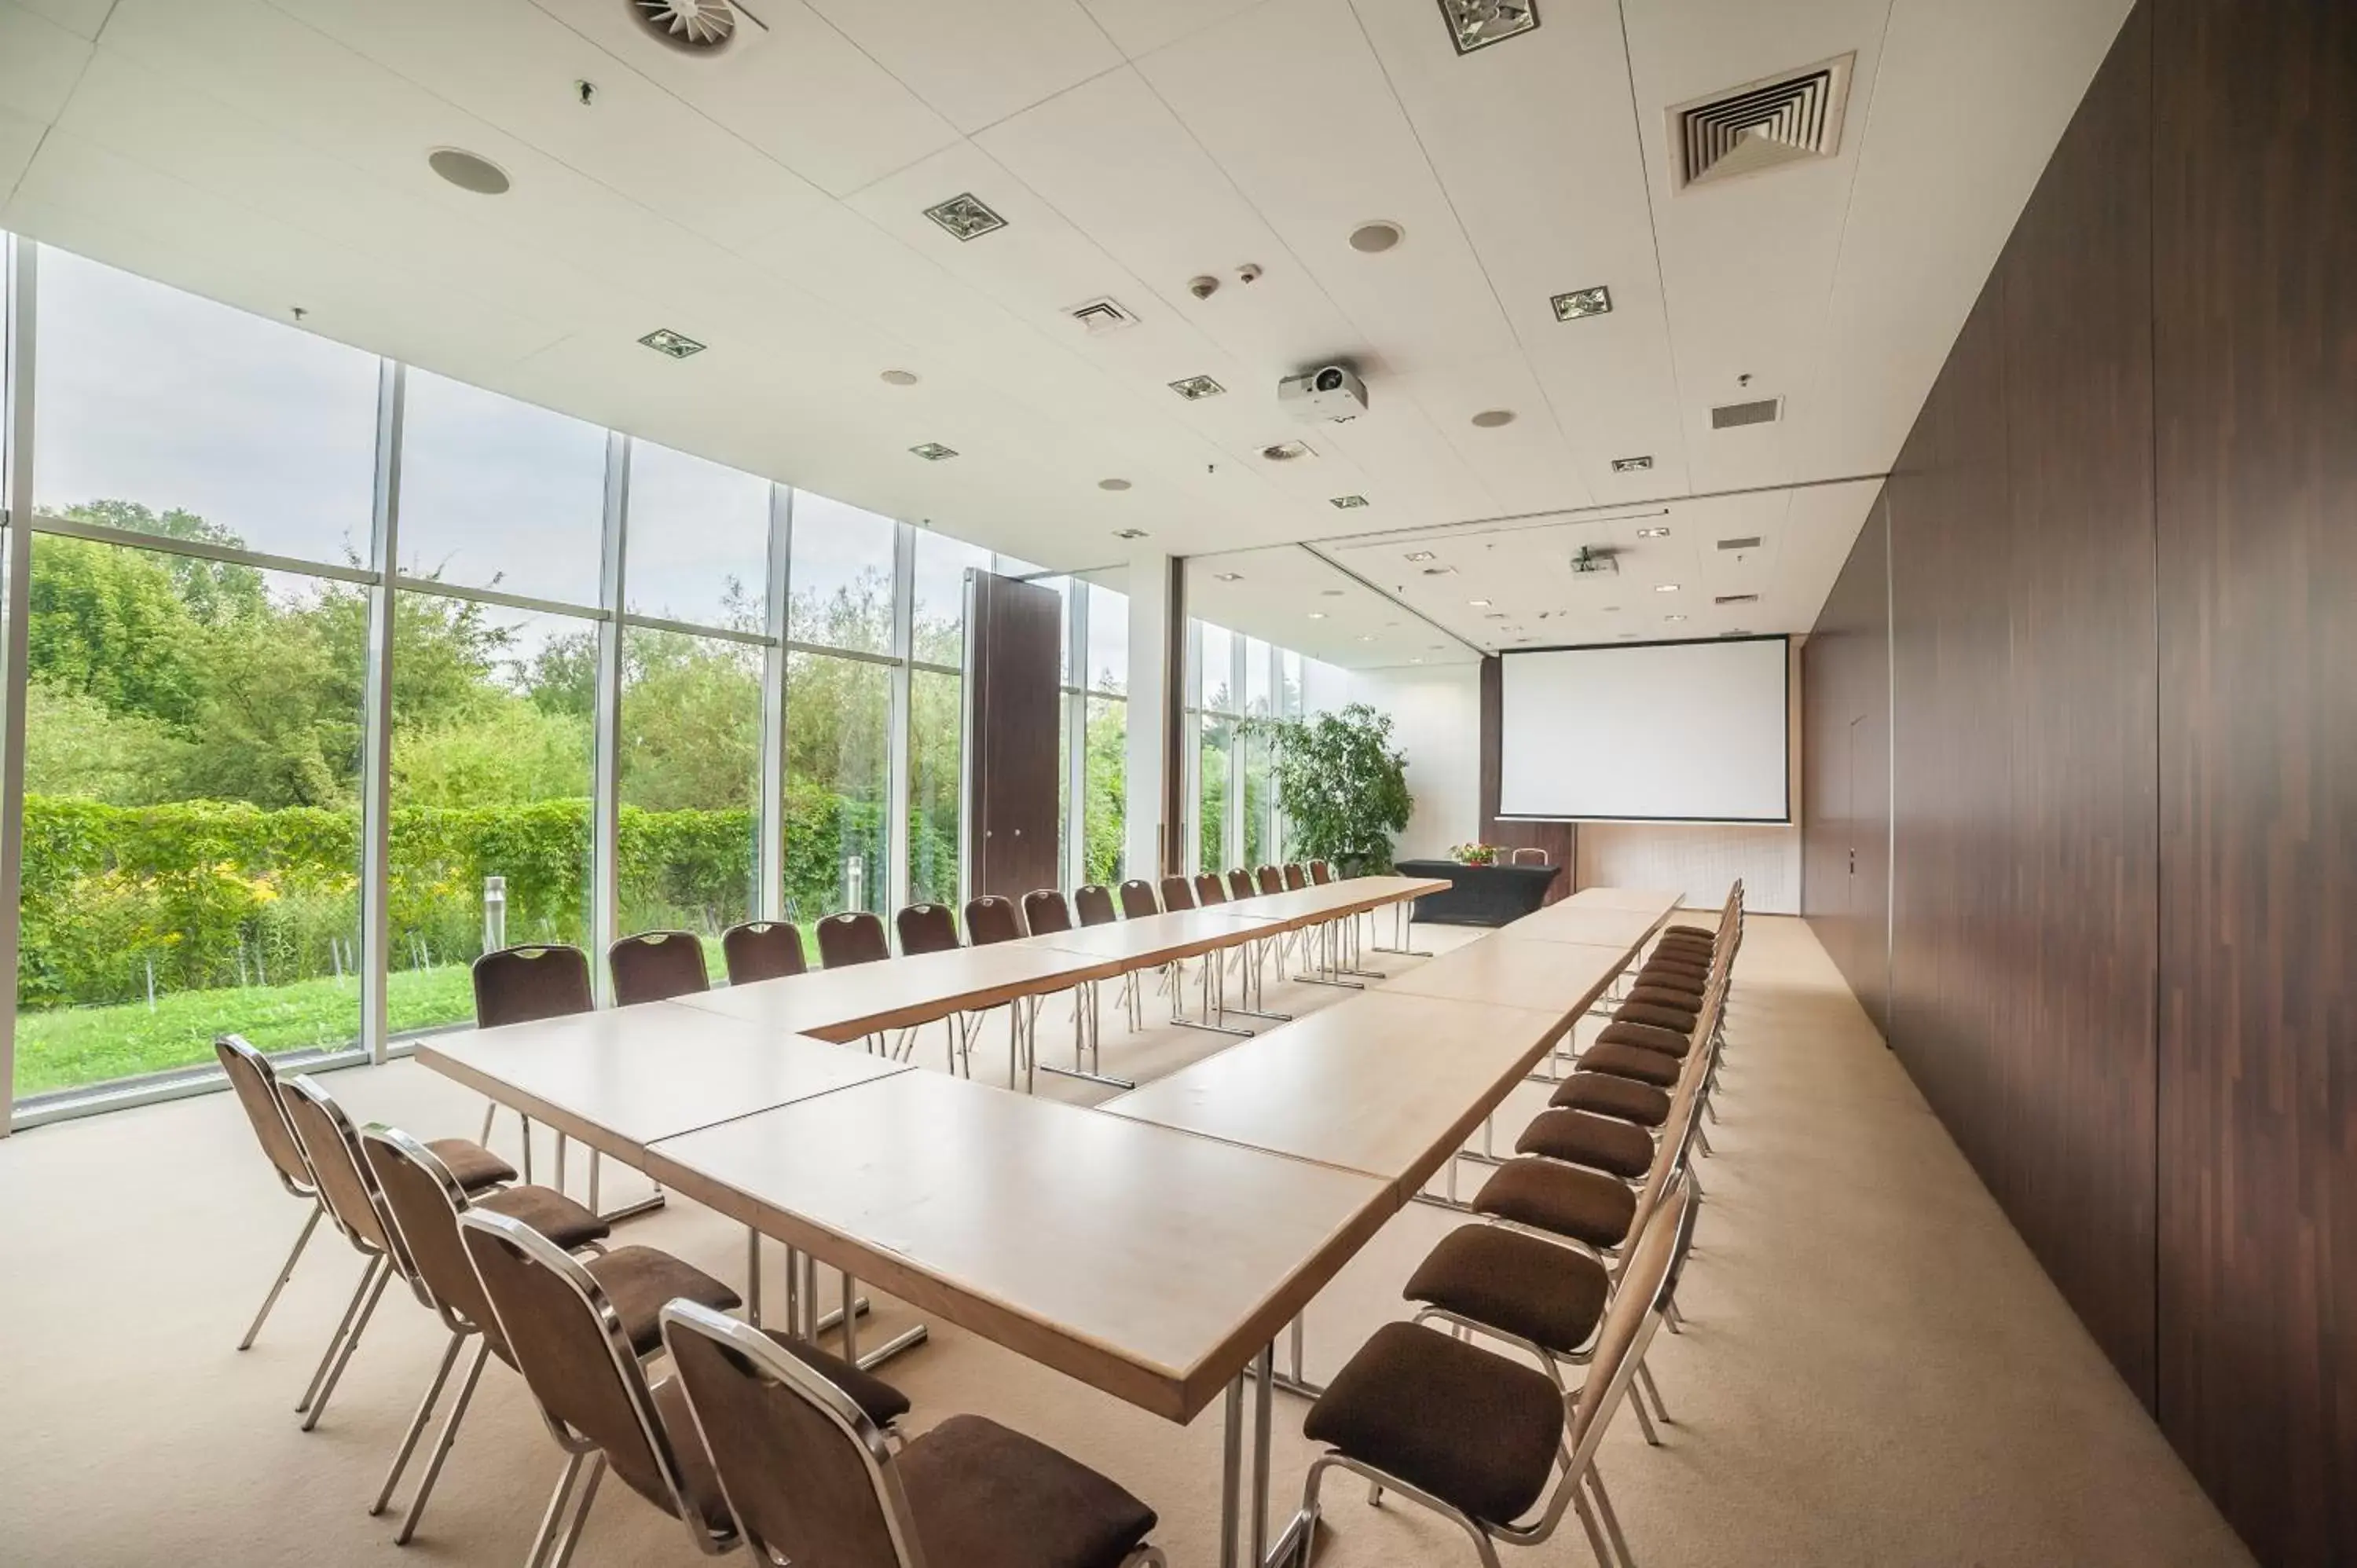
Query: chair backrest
x=807, y=1476
x=926, y=928
x=654, y=965
x=1240, y=884
x=1138, y=898
x=1527, y=856
x=856, y=935
x=425, y=1201
x=762, y=950
x=1657, y=1255
x=991, y=919
x=1209, y=891
x=333, y=1149
x=1320, y=873
x=569, y=1344
x=1178, y=892
x=1270, y=878
x=519, y=984
x=1044, y=910
x=1684, y=1118
x=1093, y=905
x=256, y=1083
x=1295, y=877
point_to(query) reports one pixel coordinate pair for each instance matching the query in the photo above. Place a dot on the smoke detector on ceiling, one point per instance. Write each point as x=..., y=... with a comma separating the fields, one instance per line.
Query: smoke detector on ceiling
x=708, y=29
x=1792, y=117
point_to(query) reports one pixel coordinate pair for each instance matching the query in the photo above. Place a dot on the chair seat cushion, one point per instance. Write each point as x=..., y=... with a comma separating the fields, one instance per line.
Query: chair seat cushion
x=1587, y=1205
x=1582, y=1138
x=1665, y=998
x=1705, y=933
x=472, y=1166
x=1678, y=1018
x=550, y=1212
x=1471, y=1427
x=1607, y=1095
x=1675, y=976
x=986, y=1497
x=1515, y=1283
x=639, y=1280
x=1647, y=1037
x=1630, y=1061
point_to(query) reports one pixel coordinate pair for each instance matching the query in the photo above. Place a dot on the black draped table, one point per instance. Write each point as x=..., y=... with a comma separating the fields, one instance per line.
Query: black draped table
x=1480, y=895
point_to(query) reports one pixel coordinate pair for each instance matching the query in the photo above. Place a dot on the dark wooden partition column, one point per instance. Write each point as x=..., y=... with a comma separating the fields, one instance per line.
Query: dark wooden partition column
x=1560, y=840
x=1845, y=770
x=1013, y=665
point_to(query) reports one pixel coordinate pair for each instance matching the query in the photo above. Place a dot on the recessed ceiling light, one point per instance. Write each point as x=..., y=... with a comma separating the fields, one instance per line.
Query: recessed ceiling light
x=1631, y=465
x=1479, y=603
x=1113, y=484
x=1673, y=618
x=1227, y=577
x=1653, y=534
x=1666, y=587
x=1375, y=238
x=964, y=217
x=1478, y=24
x=1582, y=302
x=1415, y=659
x=933, y=451
x=1366, y=637
x=1346, y=503
x=1419, y=555
x=469, y=171
x=1437, y=646
x=1329, y=593
x=1612, y=610
x=898, y=378
x=1492, y=418
x=1129, y=533
x=677, y=345
x=1317, y=614
x=1194, y=388
x=1495, y=615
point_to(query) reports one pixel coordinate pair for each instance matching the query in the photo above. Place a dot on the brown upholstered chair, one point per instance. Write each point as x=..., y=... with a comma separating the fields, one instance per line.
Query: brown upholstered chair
x=1475, y=1436
x=1296, y=878
x=1320, y=873
x=524, y=984
x=762, y=950
x=565, y=1330
x=1137, y=899
x=255, y=1082
x=1044, y=910
x=808, y=1475
x=423, y=1201
x=990, y=918
x=926, y=928
x=332, y=1148
x=1240, y=884
x=1270, y=878
x=1178, y=892
x=1209, y=891
x=856, y=935
x=654, y=966
x=1093, y=905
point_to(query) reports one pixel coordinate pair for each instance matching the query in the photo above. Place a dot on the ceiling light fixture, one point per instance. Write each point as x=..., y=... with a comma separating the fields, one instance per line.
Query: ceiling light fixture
x=898, y=378
x=1440, y=571
x=1195, y=389
x=1653, y=534
x=1493, y=418
x=1366, y=637
x=1329, y=593
x=933, y=451
x=1479, y=603
x=1129, y=533
x=1582, y=302
x=671, y=344
x=964, y=217
x=1673, y=618
x=1285, y=451
x=1374, y=239
x=1227, y=577
x=1666, y=587
x=1631, y=465
x=1420, y=554
x=1317, y=614
x=469, y=171
x=1346, y=503
x=1478, y=24
x=1113, y=484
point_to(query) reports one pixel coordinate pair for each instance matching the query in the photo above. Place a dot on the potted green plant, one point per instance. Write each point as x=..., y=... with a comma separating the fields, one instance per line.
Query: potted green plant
x=1341, y=785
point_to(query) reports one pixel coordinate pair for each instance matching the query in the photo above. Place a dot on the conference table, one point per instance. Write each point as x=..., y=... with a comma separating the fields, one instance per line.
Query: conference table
x=1154, y=1247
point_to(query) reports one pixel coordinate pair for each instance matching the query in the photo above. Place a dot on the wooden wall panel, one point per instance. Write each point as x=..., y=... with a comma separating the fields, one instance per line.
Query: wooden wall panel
x=1014, y=668
x=1560, y=840
x=1845, y=769
x=2256, y=345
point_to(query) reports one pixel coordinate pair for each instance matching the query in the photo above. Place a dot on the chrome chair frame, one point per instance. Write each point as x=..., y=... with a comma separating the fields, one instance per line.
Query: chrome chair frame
x=266, y=1077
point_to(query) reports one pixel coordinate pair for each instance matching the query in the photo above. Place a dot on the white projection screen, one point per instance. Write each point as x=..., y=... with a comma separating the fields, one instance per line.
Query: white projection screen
x=1663, y=731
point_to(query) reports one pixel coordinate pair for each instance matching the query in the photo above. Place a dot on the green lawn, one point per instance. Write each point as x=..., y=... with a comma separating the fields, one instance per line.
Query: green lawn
x=73, y=1046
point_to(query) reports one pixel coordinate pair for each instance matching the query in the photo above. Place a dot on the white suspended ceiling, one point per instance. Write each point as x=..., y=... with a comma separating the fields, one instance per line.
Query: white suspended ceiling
x=770, y=204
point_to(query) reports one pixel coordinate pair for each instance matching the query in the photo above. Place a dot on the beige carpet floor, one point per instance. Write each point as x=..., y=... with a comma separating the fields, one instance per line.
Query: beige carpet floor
x=1874, y=1370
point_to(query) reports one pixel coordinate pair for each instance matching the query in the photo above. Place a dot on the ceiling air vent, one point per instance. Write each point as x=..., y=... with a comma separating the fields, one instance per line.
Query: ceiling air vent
x=707, y=28
x=1777, y=120
x=1736, y=416
x=1100, y=315
x=1749, y=542
x=1735, y=599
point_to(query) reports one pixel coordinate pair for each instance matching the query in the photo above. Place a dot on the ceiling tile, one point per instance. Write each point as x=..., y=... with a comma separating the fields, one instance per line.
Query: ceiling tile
x=977, y=61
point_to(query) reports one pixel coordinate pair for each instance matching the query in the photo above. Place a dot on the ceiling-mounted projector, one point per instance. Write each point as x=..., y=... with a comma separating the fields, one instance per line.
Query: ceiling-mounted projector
x=1593, y=563
x=1328, y=394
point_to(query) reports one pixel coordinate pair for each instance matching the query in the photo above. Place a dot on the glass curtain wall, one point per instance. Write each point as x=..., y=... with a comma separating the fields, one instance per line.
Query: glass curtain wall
x=1232, y=792
x=554, y=686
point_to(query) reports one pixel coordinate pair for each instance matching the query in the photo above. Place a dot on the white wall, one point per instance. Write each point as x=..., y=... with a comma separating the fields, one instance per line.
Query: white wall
x=1438, y=717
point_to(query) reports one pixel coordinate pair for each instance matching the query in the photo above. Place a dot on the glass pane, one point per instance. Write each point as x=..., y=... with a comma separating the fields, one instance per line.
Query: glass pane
x=1288, y=693
x=500, y=494
x=1211, y=787
x=1256, y=674
x=1215, y=680
x=934, y=779
x=1260, y=845
x=838, y=781
x=698, y=544
x=1108, y=640
x=842, y=576
x=690, y=770
x=937, y=602
x=191, y=820
x=167, y=414
x=492, y=712
x=1102, y=813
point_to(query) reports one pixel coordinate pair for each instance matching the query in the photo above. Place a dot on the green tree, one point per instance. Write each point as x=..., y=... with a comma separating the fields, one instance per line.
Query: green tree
x=1341, y=785
x=111, y=623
